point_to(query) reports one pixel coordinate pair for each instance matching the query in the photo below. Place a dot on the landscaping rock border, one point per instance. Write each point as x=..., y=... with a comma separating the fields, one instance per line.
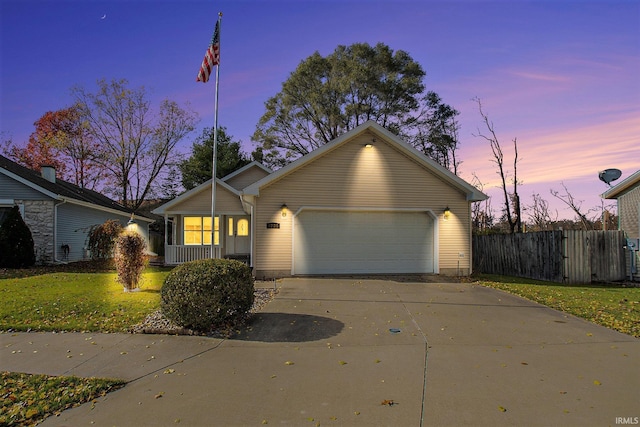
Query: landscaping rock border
x=156, y=323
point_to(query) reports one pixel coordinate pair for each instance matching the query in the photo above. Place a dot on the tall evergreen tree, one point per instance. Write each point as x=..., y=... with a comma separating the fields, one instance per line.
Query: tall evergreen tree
x=198, y=167
x=16, y=243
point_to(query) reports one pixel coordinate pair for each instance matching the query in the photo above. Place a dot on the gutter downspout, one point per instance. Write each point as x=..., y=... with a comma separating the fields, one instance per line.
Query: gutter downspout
x=55, y=232
x=166, y=236
x=244, y=202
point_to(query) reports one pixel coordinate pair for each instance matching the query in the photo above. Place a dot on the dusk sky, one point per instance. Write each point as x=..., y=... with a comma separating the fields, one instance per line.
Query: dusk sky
x=563, y=77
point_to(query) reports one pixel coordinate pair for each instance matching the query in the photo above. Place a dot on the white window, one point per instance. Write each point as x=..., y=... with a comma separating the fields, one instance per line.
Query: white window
x=197, y=230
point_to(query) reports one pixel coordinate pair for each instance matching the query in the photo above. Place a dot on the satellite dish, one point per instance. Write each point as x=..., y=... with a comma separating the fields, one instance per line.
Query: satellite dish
x=609, y=175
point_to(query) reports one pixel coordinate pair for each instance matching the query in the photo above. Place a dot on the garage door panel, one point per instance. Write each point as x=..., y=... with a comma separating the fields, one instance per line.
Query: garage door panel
x=327, y=242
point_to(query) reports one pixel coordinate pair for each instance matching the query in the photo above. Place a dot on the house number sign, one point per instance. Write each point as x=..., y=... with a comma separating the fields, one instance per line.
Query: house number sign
x=273, y=225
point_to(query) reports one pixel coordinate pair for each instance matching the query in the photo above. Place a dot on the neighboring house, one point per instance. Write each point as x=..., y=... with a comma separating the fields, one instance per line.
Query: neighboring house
x=627, y=195
x=59, y=214
x=365, y=203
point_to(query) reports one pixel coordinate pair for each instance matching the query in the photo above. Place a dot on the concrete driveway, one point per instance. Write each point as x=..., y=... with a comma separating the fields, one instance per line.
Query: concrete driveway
x=357, y=352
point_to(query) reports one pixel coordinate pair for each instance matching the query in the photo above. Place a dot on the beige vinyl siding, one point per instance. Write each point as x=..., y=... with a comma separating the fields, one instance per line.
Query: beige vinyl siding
x=628, y=211
x=199, y=204
x=352, y=175
x=246, y=178
x=226, y=202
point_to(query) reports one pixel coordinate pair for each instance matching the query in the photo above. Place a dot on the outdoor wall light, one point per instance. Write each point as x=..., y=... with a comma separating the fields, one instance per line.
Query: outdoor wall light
x=283, y=208
x=447, y=213
x=131, y=221
x=368, y=145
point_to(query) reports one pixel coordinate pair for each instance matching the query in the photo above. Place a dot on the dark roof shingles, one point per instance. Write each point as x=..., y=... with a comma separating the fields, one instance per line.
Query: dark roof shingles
x=60, y=187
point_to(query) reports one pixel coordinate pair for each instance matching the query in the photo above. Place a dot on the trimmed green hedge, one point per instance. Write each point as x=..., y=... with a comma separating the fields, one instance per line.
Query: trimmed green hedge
x=200, y=294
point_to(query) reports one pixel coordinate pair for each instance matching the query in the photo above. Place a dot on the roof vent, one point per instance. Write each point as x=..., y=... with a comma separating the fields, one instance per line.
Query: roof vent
x=48, y=172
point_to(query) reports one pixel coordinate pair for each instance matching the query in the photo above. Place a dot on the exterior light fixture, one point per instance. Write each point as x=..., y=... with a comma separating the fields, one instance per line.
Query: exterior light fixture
x=368, y=145
x=283, y=208
x=447, y=213
x=131, y=221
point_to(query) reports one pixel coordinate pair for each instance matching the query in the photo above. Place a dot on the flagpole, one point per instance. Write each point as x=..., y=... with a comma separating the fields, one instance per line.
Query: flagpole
x=215, y=149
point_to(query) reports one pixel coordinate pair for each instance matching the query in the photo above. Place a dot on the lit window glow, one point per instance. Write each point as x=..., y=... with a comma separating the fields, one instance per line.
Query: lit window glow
x=197, y=230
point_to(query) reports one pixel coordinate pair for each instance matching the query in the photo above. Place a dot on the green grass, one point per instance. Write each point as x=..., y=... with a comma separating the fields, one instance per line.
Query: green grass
x=28, y=399
x=76, y=300
x=77, y=297
x=614, y=307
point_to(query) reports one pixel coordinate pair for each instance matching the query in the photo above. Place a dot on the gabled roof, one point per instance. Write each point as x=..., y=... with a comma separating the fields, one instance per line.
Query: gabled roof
x=245, y=168
x=624, y=186
x=60, y=189
x=160, y=210
x=472, y=193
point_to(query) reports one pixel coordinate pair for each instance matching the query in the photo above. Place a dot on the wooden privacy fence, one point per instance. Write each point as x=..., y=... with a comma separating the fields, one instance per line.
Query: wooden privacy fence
x=567, y=256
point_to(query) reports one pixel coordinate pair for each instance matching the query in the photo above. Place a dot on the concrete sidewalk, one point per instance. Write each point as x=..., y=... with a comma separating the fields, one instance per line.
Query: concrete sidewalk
x=356, y=352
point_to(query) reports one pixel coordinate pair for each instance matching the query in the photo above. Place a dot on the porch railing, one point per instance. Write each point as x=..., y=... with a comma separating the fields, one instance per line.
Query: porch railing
x=177, y=254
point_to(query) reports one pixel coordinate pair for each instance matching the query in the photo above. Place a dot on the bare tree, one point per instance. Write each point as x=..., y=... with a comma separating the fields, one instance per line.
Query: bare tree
x=575, y=205
x=511, y=199
x=481, y=212
x=540, y=214
x=135, y=144
x=598, y=217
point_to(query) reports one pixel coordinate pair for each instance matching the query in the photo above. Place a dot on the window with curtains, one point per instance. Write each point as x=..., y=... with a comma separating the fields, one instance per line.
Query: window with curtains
x=197, y=230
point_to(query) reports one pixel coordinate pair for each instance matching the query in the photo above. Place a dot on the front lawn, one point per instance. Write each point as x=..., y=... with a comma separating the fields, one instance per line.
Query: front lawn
x=77, y=297
x=76, y=300
x=615, y=307
x=28, y=399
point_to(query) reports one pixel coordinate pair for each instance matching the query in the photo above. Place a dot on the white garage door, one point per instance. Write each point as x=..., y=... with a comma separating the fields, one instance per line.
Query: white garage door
x=344, y=242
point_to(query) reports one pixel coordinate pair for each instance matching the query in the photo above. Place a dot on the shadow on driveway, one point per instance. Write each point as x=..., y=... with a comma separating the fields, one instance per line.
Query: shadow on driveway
x=288, y=327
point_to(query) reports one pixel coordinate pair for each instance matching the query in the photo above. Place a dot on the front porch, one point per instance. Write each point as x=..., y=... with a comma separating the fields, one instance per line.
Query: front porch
x=178, y=254
x=192, y=235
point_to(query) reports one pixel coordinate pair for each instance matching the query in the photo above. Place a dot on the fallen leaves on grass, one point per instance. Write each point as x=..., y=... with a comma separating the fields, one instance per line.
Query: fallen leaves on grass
x=28, y=399
x=388, y=402
x=614, y=307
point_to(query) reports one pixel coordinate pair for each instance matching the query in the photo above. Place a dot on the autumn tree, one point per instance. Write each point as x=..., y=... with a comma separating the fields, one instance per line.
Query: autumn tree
x=135, y=141
x=197, y=168
x=61, y=139
x=43, y=146
x=511, y=206
x=328, y=96
x=34, y=154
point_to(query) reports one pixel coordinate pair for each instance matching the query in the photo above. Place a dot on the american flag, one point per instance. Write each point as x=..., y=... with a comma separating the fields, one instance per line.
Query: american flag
x=211, y=57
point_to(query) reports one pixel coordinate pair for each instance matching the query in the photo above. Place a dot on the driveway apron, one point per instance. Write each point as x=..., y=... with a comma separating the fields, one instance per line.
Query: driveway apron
x=367, y=352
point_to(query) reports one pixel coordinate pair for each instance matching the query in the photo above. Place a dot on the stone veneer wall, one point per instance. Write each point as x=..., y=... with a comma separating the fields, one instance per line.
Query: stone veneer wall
x=38, y=215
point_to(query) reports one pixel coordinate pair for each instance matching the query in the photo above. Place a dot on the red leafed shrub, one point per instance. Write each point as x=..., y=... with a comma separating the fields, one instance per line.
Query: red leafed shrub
x=102, y=238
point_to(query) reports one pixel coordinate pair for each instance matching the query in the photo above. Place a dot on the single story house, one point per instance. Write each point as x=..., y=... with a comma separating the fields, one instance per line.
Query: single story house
x=364, y=203
x=627, y=195
x=58, y=213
